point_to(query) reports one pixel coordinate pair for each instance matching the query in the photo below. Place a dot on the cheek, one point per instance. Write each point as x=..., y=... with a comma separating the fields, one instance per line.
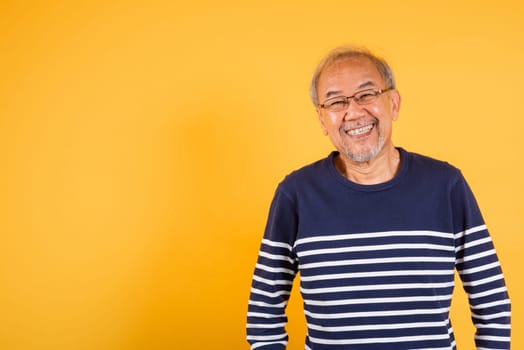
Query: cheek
x=384, y=115
x=375, y=110
x=329, y=123
x=323, y=124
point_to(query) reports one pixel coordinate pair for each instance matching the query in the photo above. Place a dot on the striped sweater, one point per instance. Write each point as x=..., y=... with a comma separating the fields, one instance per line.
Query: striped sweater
x=377, y=262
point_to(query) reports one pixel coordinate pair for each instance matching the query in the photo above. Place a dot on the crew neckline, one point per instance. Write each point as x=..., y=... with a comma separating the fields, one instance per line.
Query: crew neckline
x=404, y=162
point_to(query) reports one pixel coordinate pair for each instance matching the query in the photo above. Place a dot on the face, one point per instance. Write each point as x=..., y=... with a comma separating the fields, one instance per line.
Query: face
x=361, y=132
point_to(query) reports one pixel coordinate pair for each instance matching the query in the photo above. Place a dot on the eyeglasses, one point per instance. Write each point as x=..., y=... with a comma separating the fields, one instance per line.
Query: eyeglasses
x=341, y=103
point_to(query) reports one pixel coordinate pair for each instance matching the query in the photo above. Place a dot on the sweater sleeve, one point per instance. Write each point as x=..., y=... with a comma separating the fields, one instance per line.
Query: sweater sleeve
x=480, y=271
x=275, y=270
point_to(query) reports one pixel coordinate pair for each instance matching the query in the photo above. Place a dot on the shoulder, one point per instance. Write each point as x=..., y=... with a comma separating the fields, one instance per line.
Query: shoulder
x=310, y=174
x=425, y=165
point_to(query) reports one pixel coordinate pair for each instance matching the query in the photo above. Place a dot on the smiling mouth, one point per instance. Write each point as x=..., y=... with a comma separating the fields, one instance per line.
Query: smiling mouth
x=361, y=130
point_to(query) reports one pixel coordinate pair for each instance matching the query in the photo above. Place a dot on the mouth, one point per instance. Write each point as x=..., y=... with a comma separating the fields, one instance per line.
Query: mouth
x=361, y=130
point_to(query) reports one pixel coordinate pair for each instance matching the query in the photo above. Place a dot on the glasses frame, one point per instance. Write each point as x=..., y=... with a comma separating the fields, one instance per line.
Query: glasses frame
x=378, y=92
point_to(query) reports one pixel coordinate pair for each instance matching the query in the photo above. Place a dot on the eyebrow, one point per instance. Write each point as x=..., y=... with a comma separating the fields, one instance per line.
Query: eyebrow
x=366, y=84
x=361, y=86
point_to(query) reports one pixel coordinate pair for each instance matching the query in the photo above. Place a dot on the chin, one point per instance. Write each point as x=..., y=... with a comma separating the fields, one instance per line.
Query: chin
x=361, y=157
x=365, y=155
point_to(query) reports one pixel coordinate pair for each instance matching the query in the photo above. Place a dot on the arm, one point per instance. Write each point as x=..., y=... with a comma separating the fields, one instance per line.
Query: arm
x=480, y=272
x=273, y=278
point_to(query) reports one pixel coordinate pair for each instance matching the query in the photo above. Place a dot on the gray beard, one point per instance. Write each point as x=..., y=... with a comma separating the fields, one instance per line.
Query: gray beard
x=367, y=156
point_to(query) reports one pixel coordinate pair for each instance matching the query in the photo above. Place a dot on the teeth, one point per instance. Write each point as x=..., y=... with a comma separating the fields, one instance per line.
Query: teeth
x=360, y=131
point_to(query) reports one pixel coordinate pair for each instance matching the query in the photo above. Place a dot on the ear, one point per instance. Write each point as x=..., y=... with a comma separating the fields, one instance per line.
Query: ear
x=395, y=103
x=321, y=120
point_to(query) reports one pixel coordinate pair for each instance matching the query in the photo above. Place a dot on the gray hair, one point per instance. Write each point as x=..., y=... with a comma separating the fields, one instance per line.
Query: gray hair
x=344, y=52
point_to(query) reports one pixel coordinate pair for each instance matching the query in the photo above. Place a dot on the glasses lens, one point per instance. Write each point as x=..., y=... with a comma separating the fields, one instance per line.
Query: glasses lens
x=336, y=104
x=366, y=96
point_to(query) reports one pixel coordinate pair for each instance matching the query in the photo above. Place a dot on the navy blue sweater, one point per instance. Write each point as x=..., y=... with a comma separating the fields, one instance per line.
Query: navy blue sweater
x=377, y=262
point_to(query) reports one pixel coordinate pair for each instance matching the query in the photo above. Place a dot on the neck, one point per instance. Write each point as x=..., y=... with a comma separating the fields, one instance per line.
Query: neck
x=380, y=169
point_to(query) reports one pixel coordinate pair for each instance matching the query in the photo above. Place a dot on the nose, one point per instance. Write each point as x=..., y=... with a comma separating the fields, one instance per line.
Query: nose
x=354, y=111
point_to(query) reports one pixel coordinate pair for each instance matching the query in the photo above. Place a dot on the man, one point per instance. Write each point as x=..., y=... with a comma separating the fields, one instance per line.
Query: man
x=375, y=231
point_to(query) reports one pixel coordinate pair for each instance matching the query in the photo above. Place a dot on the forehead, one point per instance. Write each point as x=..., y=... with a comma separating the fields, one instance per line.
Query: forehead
x=348, y=75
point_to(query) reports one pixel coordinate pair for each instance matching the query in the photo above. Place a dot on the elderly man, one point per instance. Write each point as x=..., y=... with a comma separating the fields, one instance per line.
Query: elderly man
x=375, y=231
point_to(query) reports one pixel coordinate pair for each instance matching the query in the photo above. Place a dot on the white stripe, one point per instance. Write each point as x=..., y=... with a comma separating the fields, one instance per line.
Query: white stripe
x=473, y=244
x=266, y=337
x=264, y=315
x=274, y=269
x=382, y=313
x=493, y=325
x=476, y=256
x=276, y=257
x=483, y=281
x=378, y=274
x=328, y=238
x=470, y=231
x=492, y=337
x=265, y=326
x=377, y=326
x=494, y=303
x=376, y=287
x=480, y=268
x=257, y=345
x=379, y=340
x=490, y=317
x=416, y=259
x=488, y=292
x=376, y=300
x=277, y=244
x=262, y=304
x=269, y=294
x=375, y=248
x=271, y=282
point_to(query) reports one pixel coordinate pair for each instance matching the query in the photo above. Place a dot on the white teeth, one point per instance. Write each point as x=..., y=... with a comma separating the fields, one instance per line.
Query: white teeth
x=360, y=131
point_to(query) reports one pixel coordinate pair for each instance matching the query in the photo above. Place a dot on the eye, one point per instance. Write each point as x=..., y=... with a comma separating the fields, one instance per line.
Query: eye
x=366, y=96
x=336, y=103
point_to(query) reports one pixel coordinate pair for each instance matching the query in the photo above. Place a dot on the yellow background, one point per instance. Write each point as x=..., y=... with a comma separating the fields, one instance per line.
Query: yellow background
x=141, y=142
